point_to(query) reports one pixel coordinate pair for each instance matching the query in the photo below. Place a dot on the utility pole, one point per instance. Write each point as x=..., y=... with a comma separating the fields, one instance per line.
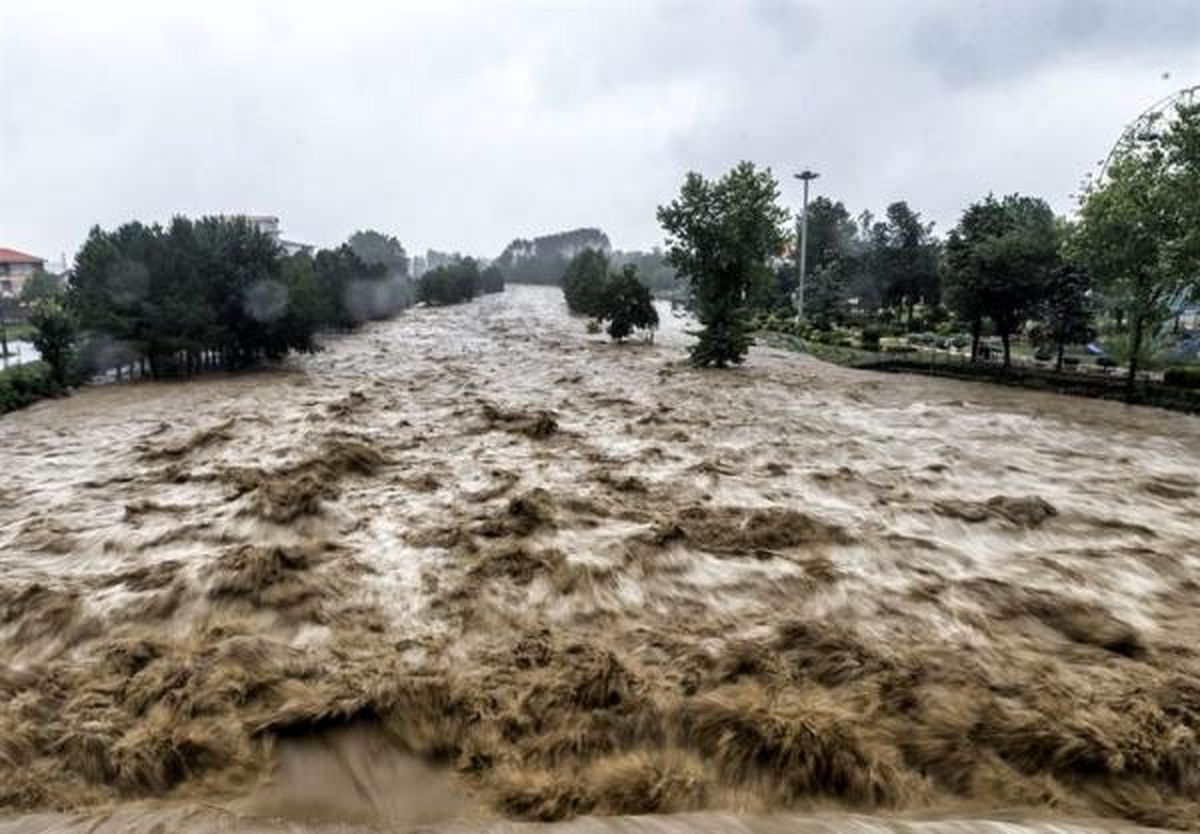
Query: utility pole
x=802, y=266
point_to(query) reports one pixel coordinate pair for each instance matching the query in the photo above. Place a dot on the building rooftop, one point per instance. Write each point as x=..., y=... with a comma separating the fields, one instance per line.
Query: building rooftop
x=12, y=256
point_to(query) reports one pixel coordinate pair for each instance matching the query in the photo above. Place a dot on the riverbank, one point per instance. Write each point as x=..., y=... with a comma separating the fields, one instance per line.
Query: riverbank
x=929, y=363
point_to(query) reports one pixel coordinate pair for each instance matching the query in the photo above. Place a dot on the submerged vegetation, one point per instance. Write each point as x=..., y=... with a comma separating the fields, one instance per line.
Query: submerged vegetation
x=214, y=293
x=591, y=288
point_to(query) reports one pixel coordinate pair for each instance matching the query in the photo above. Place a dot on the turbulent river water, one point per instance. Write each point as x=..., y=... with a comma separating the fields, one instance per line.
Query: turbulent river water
x=473, y=568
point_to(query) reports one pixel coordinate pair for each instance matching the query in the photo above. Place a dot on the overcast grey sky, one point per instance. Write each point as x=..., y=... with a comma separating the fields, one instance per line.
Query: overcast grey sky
x=459, y=125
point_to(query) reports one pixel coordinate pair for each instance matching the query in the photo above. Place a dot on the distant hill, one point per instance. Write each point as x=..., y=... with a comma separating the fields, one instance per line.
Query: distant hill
x=543, y=260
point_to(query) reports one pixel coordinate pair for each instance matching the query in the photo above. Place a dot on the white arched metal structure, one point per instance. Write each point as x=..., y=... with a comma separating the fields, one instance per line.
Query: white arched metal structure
x=1143, y=127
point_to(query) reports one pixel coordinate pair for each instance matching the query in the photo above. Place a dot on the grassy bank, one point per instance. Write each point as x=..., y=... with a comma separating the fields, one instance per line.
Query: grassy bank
x=1073, y=383
x=22, y=332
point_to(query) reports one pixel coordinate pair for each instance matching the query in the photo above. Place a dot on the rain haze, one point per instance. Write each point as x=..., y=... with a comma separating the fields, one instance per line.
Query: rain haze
x=465, y=124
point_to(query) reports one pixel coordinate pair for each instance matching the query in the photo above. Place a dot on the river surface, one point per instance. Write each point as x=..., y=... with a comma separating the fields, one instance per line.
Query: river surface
x=473, y=568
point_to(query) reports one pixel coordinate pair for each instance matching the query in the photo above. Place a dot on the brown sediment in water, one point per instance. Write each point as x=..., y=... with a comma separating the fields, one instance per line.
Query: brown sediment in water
x=537, y=424
x=772, y=595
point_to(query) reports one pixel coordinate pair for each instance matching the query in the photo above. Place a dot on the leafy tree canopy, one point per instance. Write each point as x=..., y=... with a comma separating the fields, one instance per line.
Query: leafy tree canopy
x=452, y=284
x=376, y=248
x=1001, y=258
x=721, y=234
x=54, y=337
x=41, y=285
x=584, y=282
x=1139, y=229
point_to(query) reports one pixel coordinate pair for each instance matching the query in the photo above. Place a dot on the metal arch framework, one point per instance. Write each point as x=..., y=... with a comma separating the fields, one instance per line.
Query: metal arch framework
x=1140, y=126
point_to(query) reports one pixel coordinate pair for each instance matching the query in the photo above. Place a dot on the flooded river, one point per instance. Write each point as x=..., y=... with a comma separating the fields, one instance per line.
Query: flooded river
x=474, y=568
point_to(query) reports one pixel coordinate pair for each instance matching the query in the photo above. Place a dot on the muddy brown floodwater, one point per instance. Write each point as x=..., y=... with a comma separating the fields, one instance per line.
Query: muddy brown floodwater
x=472, y=568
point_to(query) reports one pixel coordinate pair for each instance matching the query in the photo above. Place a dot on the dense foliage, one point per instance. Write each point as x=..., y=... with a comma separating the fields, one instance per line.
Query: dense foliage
x=1139, y=229
x=213, y=292
x=1184, y=377
x=584, y=282
x=41, y=285
x=652, y=270
x=24, y=385
x=491, y=280
x=628, y=304
x=620, y=298
x=376, y=248
x=1001, y=259
x=54, y=337
x=721, y=234
x=452, y=284
x=1067, y=308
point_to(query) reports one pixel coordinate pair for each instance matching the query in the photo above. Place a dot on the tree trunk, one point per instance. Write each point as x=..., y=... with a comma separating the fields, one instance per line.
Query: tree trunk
x=1058, y=363
x=976, y=333
x=1135, y=350
x=1004, y=338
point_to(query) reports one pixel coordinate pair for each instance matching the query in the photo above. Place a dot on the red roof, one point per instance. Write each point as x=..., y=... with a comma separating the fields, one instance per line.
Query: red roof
x=12, y=256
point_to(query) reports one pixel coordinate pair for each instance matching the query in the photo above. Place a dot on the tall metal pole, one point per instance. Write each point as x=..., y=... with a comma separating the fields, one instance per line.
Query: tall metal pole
x=806, y=177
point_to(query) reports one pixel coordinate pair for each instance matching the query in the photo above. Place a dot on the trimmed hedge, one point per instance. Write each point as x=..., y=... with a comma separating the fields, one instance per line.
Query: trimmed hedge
x=1187, y=377
x=23, y=385
x=1144, y=392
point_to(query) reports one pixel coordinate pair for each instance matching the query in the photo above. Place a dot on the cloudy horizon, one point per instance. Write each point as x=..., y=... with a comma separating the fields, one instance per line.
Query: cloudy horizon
x=461, y=125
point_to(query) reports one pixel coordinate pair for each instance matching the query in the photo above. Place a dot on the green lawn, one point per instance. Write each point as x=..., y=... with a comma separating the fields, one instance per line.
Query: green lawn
x=19, y=332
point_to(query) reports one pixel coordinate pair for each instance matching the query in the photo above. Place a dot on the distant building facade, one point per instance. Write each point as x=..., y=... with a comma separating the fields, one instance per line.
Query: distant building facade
x=15, y=269
x=268, y=224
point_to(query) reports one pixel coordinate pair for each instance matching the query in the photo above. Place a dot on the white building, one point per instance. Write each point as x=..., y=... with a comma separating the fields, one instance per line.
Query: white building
x=15, y=269
x=268, y=224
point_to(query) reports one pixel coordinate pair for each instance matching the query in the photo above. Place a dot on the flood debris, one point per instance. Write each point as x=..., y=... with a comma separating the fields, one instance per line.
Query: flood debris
x=1030, y=511
x=521, y=516
x=746, y=530
x=267, y=576
x=537, y=424
x=198, y=440
x=296, y=490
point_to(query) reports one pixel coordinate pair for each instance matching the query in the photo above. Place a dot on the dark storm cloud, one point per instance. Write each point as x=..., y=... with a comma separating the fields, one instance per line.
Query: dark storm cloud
x=460, y=124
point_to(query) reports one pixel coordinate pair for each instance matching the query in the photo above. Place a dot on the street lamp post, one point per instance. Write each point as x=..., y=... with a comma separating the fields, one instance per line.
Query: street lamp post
x=806, y=177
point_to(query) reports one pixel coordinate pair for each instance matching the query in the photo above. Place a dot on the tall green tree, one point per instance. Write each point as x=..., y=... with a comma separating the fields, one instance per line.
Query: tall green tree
x=451, y=284
x=40, y=285
x=1066, y=308
x=491, y=279
x=584, y=283
x=832, y=252
x=826, y=294
x=1000, y=258
x=628, y=305
x=192, y=295
x=54, y=337
x=1139, y=227
x=376, y=248
x=720, y=235
x=907, y=260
